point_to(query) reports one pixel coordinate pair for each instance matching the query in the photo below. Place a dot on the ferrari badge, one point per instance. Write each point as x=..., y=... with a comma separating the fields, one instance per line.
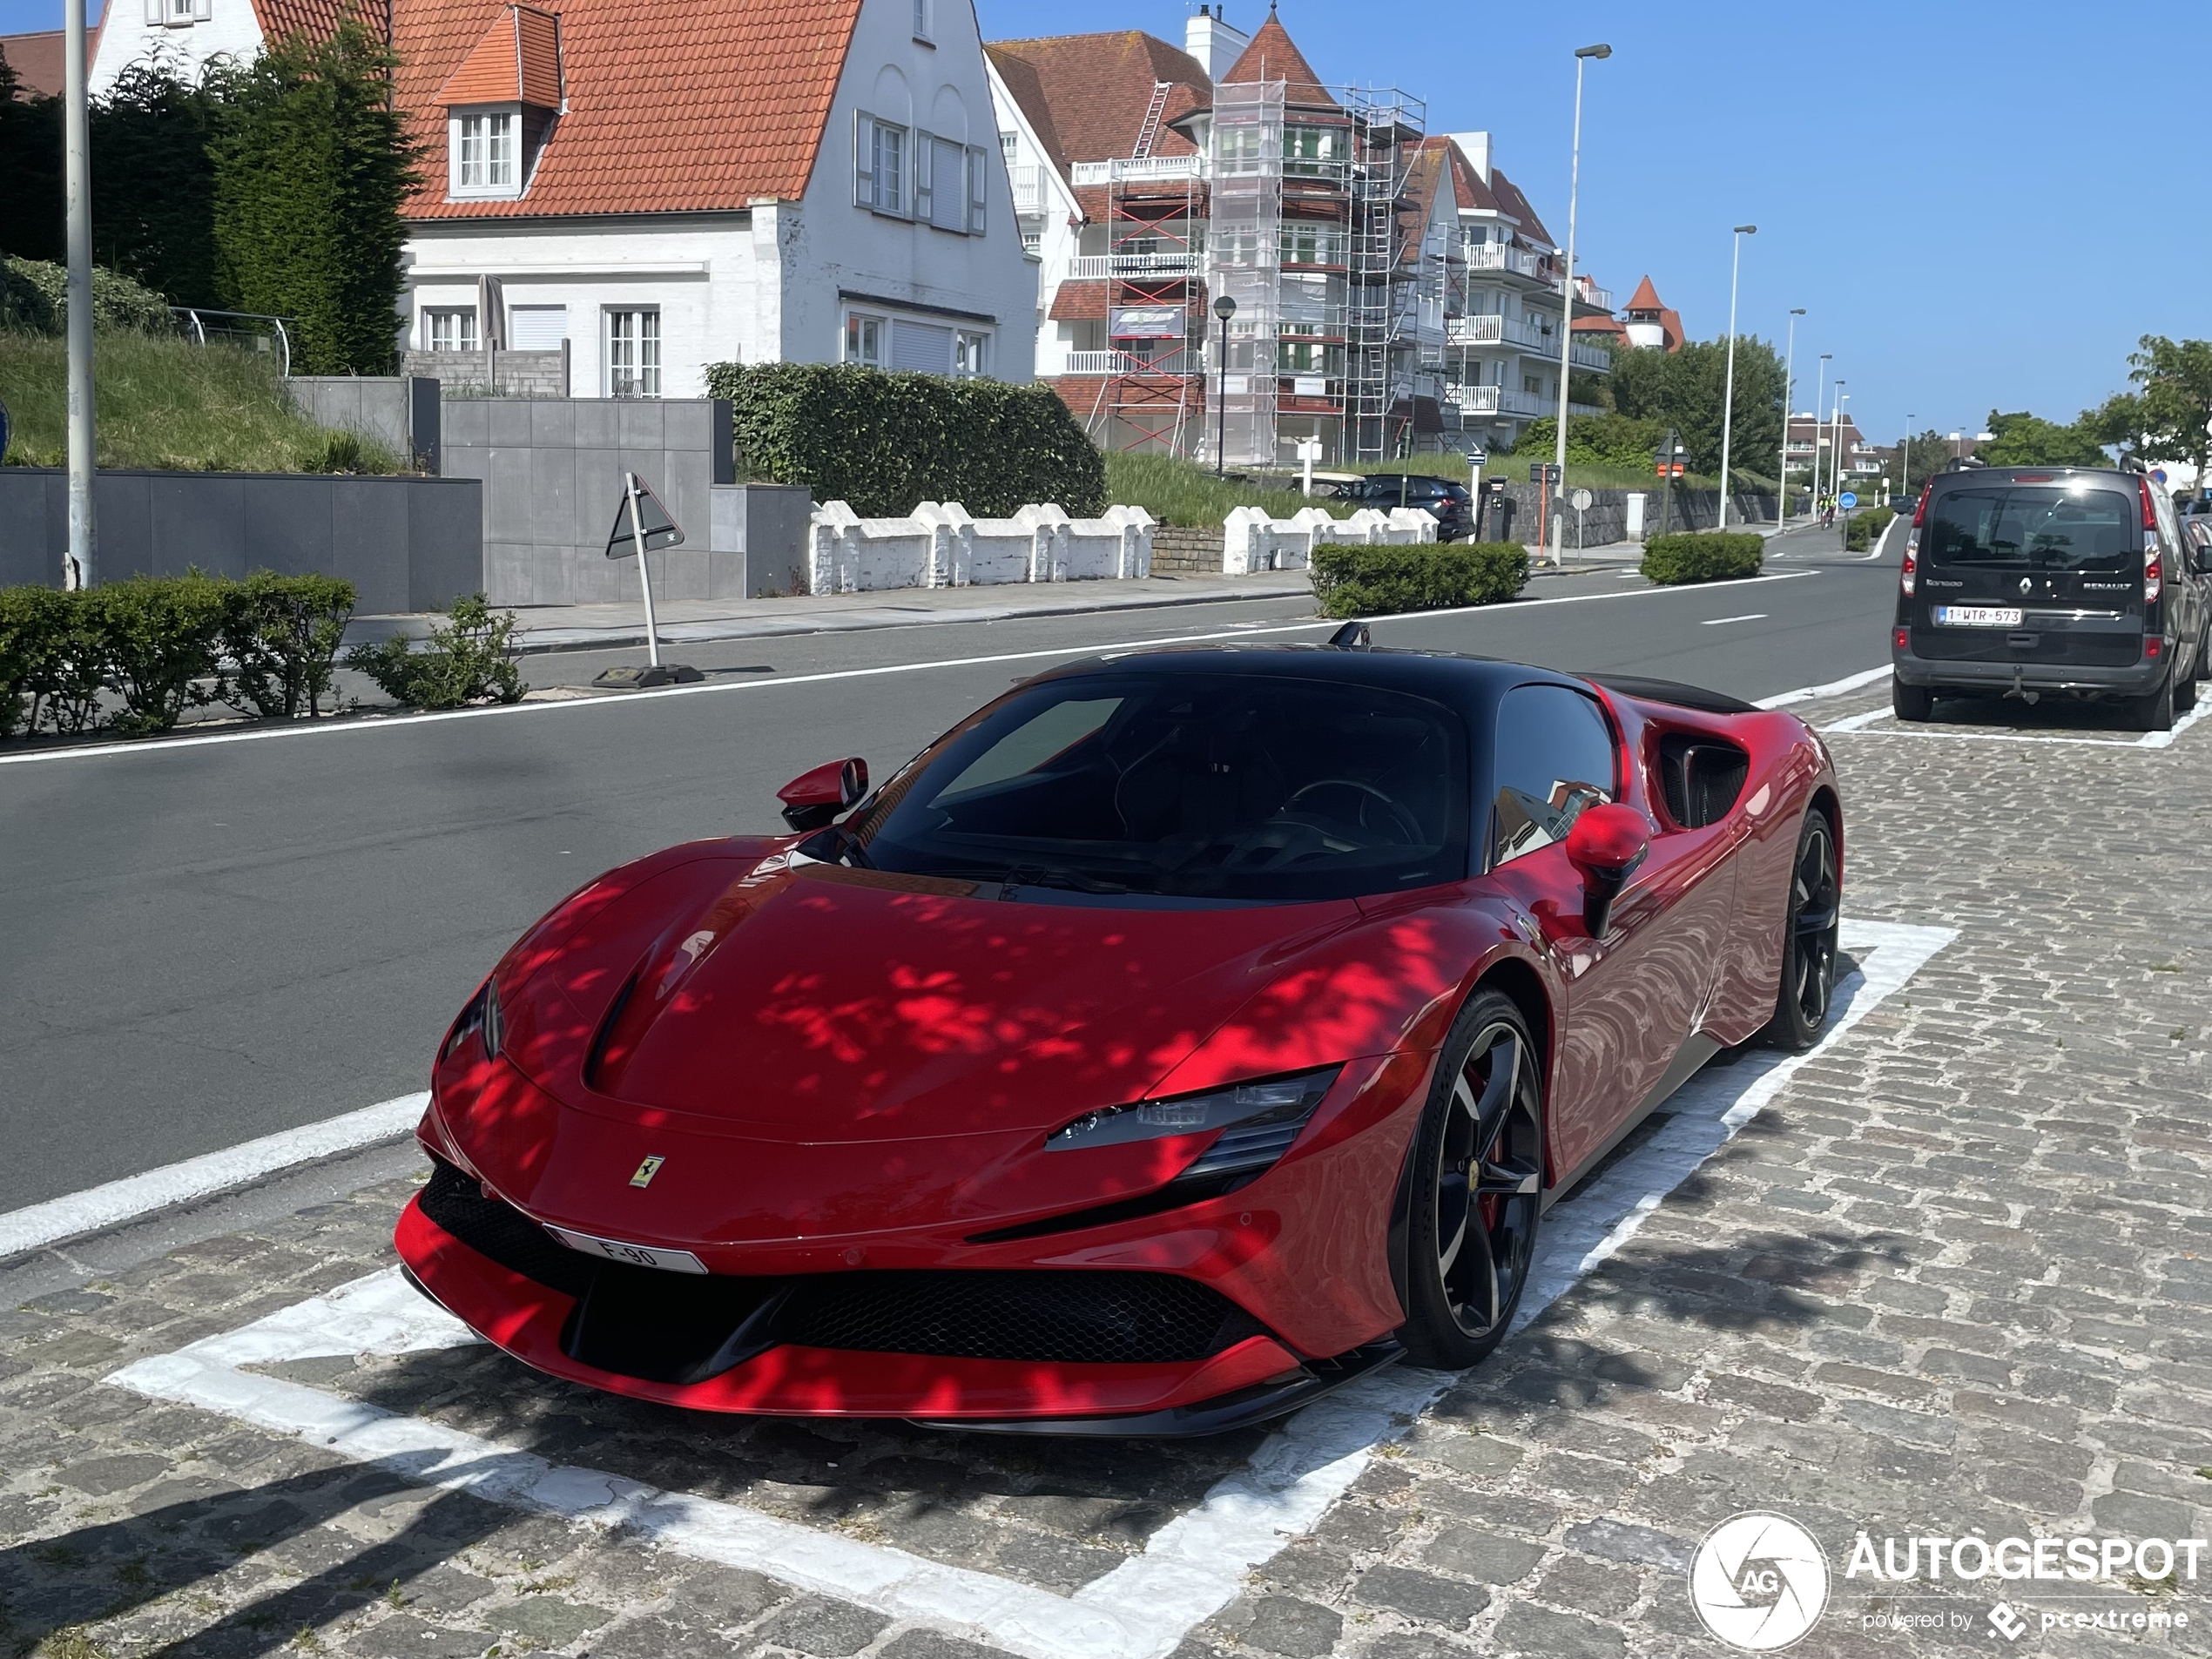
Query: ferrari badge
x=646, y=1172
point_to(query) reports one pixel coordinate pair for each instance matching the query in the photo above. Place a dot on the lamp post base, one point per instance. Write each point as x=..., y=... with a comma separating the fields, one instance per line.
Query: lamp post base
x=646, y=678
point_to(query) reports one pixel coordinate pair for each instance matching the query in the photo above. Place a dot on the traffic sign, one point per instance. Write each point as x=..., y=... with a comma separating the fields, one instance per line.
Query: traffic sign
x=1477, y=455
x=2158, y=473
x=659, y=530
x=4, y=429
x=1537, y=471
x=1847, y=501
x=1581, y=500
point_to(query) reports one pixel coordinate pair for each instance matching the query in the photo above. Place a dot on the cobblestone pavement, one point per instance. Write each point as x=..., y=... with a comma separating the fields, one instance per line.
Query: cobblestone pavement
x=1955, y=1277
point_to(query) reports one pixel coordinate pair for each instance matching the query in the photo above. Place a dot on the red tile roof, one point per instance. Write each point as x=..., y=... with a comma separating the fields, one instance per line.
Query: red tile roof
x=1273, y=57
x=1646, y=298
x=1511, y=201
x=37, y=61
x=317, y=18
x=1467, y=182
x=1086, y=95
x=673, y=108
x=518, y=61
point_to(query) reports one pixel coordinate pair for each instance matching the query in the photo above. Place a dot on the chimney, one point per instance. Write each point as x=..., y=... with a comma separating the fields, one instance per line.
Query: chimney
x=1212, y=42
x=1475, y=146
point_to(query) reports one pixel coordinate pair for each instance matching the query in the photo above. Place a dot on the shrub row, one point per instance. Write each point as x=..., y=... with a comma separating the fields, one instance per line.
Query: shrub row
x=1355, y=580
x=884, y=442
x=468, y=660
x=34, y=297
x=1701, y=556
x=1861, y=530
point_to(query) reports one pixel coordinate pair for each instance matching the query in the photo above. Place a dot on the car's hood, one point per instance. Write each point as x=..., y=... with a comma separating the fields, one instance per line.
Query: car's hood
x=780, y=1000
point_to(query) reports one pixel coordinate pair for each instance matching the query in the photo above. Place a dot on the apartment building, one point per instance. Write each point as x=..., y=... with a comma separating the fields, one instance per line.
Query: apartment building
x=1813, y=439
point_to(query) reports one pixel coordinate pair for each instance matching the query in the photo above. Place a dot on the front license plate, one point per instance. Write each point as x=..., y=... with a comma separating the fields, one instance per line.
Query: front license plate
x=669, y=1261
x=1977, y=616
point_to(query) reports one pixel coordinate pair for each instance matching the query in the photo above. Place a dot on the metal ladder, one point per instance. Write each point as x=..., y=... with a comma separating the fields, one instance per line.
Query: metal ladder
x=1151, y=129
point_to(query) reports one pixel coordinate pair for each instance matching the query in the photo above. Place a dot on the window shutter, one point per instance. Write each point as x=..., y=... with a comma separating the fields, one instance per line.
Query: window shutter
x=979, y=188
x=925, y=175
x=863, y=167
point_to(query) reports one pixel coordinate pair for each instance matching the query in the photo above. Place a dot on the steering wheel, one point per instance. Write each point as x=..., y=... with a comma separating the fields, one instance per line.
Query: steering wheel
x=1409, y=827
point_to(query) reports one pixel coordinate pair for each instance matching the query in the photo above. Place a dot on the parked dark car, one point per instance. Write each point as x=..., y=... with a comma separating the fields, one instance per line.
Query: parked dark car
x=2031, y=581
x=1450, y=502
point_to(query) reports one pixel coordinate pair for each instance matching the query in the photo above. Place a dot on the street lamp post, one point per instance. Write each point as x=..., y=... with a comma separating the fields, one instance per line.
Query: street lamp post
x=1728, y=393
x=1905, y=460
x=1789, y=391
x=1224, y=308
x=77, y=152
x=1836, y=440
x=1819, y=419
x=1583, y=55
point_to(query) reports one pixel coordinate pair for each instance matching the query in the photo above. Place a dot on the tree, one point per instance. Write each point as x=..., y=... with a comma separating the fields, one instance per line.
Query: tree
x=2025, y=440
x=31, y=171
x=154, y=184
x=312, y=165
x=1927, y=454
x=1687, y=390
x=2176, y=416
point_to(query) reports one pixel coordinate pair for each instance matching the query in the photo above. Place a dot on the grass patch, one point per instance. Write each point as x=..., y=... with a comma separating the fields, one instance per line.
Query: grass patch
x=164, y=402
x=1175, y=491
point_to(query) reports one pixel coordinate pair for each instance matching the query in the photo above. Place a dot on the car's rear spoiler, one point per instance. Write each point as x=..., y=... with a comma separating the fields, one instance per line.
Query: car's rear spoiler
x=1682, y=697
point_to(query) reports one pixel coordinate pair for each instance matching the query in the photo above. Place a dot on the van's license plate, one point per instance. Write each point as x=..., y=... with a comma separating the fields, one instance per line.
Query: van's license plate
x=669, y=1261
x=1977, y=616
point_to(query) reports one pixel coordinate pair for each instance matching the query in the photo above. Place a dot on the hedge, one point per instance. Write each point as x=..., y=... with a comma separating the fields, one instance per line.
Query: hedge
x=1351, y=580
x=1860, y=530
x=34, y=297
x=131, y=657
x=468, y=660
x=884, y=442
x=1701, y=556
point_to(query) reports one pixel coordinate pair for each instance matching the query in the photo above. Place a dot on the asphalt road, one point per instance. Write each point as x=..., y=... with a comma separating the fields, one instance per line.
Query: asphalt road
x=203, y=944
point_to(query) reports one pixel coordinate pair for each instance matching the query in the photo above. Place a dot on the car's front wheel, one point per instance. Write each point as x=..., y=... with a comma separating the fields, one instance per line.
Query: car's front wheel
x=1811, y=922
x=1476, y=1188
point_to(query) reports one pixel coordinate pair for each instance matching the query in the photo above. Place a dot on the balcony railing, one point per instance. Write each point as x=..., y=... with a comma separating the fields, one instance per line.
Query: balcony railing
x=1133, y=265
x=1590, y=294
x=1028, y=189
x=1127, y=169
x=1495, y=400
x=1491, y=329
x=1594, y=357
x=1121, y=362
x=1500, y=256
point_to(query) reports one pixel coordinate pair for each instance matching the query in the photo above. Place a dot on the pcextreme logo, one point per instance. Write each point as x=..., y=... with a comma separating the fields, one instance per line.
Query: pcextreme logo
x=1759, y=1581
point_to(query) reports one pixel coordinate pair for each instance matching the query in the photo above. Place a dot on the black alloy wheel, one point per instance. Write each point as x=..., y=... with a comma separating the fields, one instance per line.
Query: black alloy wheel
x=1809, y=939
x=1476, y=1189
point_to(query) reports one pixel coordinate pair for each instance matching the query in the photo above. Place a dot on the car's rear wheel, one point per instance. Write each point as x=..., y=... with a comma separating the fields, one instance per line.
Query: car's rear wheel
x=1910, y=702
x=2185, y=685
x=2203, y=668
x=1811, y=925
x=1475, y=1190
x=2153, y=711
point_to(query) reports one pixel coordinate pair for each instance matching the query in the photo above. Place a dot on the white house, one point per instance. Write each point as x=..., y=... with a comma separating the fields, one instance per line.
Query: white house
x=665, y=187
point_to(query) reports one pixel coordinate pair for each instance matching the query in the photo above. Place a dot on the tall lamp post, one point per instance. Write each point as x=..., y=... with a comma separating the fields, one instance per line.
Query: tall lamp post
x=1789, y=392
x=1836, y=445
x=1224, y=308
x=1583, y=55
x=76, y=151
x=1819, y=422
x=1905, y=460
x=1728, y=393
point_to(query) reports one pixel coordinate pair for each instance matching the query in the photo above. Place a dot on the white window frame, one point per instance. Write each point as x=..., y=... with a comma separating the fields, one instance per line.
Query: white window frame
x=456, y=325
x=178, y=14
x=921, y=24
x=882, y=188
x=971, y=354
x=484, y=148
x=866, y=334
x=639, y=377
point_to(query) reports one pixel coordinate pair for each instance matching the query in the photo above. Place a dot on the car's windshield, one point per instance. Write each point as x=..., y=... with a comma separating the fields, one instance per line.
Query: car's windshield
x=2045, y=527
x=1214, y=787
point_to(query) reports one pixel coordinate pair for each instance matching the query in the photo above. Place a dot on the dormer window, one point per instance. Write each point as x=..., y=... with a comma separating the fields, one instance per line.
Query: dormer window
x=179, y=14
x=502, y=104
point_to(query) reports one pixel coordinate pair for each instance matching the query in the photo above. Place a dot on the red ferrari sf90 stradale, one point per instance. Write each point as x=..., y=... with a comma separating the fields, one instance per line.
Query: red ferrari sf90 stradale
x=1178, y=1037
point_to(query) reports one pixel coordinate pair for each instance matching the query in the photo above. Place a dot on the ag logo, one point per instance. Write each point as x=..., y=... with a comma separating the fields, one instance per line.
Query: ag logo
x=1759, y=1581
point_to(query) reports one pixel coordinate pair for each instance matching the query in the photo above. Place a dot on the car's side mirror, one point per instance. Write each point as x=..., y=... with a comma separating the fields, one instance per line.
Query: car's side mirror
x=813, y=797
x=1605, y=845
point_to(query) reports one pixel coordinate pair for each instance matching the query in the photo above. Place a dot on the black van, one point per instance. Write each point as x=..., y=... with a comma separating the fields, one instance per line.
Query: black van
x=2034, y=580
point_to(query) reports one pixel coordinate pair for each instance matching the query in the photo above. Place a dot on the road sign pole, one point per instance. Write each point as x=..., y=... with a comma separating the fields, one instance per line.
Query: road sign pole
x=645, y=577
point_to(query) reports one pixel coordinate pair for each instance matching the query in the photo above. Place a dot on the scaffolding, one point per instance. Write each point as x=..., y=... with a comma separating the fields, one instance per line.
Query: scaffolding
x=1380, y=310
x=1152, y=397
x=1245, y=262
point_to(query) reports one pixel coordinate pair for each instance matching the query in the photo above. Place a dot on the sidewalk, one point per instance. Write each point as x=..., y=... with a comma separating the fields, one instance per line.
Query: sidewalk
x=590, y=626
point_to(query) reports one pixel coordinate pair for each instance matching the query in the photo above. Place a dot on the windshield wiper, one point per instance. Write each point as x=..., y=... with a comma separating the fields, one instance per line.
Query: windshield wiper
x=1040, y=875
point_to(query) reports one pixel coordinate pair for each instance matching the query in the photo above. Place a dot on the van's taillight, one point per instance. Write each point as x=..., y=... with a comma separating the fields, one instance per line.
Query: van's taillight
x=1901, y=638
x=2154, y=575
x=2150, y=513
x=1908, y=570
x=1920, y=508
x=2151, y=644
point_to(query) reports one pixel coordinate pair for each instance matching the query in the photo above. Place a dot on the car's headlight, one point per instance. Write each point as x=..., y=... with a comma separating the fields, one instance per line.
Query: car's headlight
x=1258, y=1120
x=481, y=1015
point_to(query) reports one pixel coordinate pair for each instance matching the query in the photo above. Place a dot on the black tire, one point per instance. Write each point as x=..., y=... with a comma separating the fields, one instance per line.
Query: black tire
x=2153, y=711
x=1809, y=930
x=1476, y=1194
x=2203, y=670
x=1910, y=702
x=2185, y=685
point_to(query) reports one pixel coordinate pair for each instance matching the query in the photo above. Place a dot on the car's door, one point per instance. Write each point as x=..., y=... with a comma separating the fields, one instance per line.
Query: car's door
x=1630, y=995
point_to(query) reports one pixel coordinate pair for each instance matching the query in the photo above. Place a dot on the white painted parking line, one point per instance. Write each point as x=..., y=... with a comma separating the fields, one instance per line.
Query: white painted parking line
x=1752, y=615
x=1861, y=724
x=38, y=1225
x=391, y=722
x=1832, y=688
x=1188, y=1569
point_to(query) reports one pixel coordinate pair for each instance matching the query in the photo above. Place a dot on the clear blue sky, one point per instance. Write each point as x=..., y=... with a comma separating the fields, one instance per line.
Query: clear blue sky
x=1980, y=204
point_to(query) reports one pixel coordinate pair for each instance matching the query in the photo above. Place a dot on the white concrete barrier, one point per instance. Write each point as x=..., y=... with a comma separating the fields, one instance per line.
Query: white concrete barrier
x=1253, y=541
x=940, y=546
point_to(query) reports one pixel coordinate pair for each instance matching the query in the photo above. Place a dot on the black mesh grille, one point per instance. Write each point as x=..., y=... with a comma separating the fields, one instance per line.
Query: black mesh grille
x=1071, y=1317
x=502, y=1232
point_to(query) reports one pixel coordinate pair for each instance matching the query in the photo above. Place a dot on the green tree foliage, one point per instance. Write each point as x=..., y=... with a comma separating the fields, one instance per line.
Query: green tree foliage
x=34, y=297
x=31, y=171
x=1597, y=441
x=2025, y=440
x=312, y=165
x=2171, y=417
x=1925, y=454
x=153, y=185
x=1687, y=390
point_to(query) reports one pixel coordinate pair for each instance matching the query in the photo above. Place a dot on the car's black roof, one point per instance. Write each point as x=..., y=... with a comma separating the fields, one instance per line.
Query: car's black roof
x=1467, y=683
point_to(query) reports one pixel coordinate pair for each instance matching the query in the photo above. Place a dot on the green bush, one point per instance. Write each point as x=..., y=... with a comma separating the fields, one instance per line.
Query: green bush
x=469, y=660
x=34, y=297
x=884, y=442
x=1861, y=529
x=1356, y=581
x=1701, y=556
x=131, y=657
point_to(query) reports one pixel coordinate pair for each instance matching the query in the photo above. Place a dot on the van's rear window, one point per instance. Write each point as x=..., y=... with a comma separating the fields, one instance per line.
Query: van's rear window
x=2040, y=527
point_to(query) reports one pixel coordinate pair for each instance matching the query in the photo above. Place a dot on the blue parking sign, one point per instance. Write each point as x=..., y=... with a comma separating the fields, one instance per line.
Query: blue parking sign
x=1847, y=501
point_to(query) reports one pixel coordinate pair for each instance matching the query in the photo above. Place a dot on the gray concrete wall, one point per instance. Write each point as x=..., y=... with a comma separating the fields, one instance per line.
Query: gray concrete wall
x=398, y=411
x=406, y=544
x=500, y=373
x=552, y=475
x=757, y=540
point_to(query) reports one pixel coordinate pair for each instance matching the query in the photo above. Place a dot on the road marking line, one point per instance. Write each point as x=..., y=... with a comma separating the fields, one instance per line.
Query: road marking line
x=167, y=745
x=1753, y=615
x=1188, y=1569
x=1833, y=688
x=1859, y=723
x=99, y=1208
